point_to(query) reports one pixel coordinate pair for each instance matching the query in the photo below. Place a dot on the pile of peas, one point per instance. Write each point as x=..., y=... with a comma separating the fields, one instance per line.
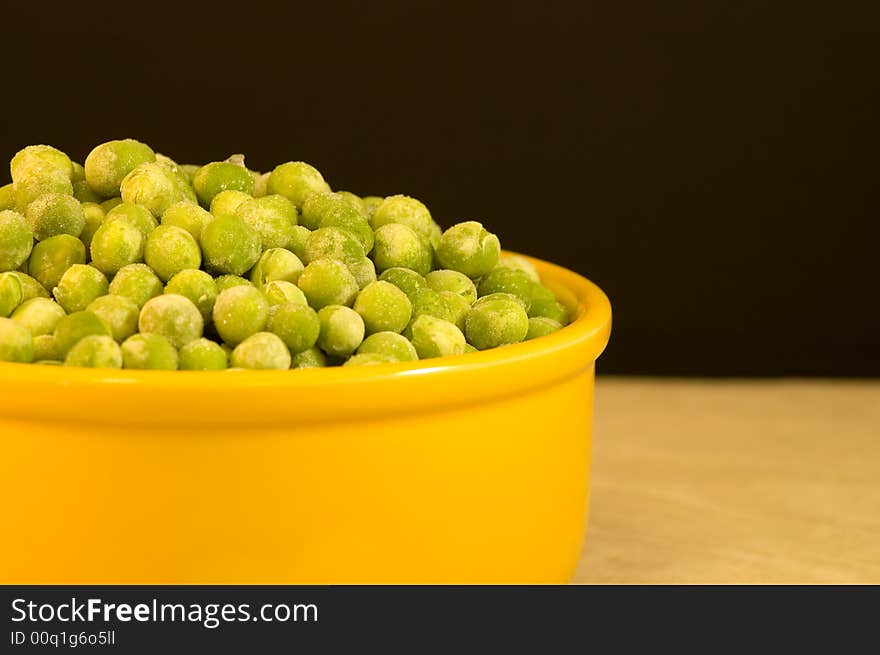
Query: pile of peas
x=133, y=261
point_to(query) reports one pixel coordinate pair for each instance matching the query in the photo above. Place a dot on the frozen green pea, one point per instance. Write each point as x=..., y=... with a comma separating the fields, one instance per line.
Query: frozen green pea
x=227, y=202
x=405, y=211
x=389, y=344
x=196, y=285
x=173, y=316
x=297, y=243
x=468, y=348
x=40, y=161
x=353, y=200
x=496, y=322
x=94, y=216
x=262, y=350
x=276, y=264
x=458, y=283
x=261, y=184
x=39, y=315
x=29, y=190
x=280, y=292
x=108, y=164
x=149, y=351
x=407, y=280
x=328, y=282
x=229, y=245
x=138, y=215
x=202, y=355
x=137, y=282
x=384, y=308
x=457, y=307
x=149, y=185
x=95, y=352
x=296, y=181
x=73, y=327
x=332, y=210
x=399, y=246
x=371, y=202
x=16, y=342
x=188, y=216
x=272, y=216
x=17, y=239
x=311, y=358
x=118, y=312
x=333, y=243
x=30, y=288
x=180, y=181
x=78, y=172
x=342, y=330
x=500, y=295
x=508, y=280
x=364, y=271
x=225, y=282
x=189, y=170
x=110, y=204
x=79, y=286
x=434, y=337
x=170, y=250
x=219, y=176
x=554, y=310
x=539, y=326
x=83, y=192
x=432, y=303
x=10, y=294
x=468, y=248
x=52, y=257
x=369, y=359
x=240, y=312
x=45, y=348
x=297, y=325
x=521, y=264
x=116, y=244
x=55, y=213
x=7, y=197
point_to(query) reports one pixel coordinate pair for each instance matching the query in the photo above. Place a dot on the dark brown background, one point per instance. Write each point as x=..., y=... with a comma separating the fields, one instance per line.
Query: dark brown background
x=714, y=169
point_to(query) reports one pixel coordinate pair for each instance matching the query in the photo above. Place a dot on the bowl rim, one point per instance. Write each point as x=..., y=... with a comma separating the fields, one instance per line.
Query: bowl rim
x=506, y=370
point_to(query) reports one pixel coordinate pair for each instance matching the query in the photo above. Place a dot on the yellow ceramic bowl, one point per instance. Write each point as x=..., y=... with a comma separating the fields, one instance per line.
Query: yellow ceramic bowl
x=470, y=469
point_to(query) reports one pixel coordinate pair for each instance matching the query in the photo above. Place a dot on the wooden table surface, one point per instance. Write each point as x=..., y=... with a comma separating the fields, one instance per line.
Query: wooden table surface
x=700, y=481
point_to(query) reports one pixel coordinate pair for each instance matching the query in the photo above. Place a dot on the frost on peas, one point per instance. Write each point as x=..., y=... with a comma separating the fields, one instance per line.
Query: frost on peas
x=399, y=246
x=173, y=316
x=51, y=258
x=94, y=216
x=383, y=307
x=73, y=327
x=108, y=164
x=540, y=326
x=496, y=321
x=115, y=245
x=118, y=312
x=83, y=192
x=137, y=282
x=16, y=342
x=196, y=285
x=79, y=286
x=509, y=280
x=276, y=264
x=202, y=355
x=7, y=197
x=328, y=282
x=239, y=312
x=332, y=210
x=45, y=348
x=149, y=351
x=149, y=185
x=434, y=337
x=272, y=216
x=137, y=215
x=457, y=307
x=29, y=190
x=297, y=243
x=406, y=211
x=39, y=315
x=10, y=294
x=17, y=239
x=333, y=243
x=55, y=213
x=230, y=246
x=219, y=176
x=30, y=287
x=311, y=358
x=187, y=216
x=297, y=325
x=458, y=283
x=95, y=352
x=227, y=202
x=225, y=282
x=519, y=263
x=369, y=359
x=40, y=161
x=342, y=330
x=408, y=281
x=280, y=292
x=296, y=181
x=389, y=344
x=262, y=350
x=170, y=250
x=468, y=248
x=363, y=271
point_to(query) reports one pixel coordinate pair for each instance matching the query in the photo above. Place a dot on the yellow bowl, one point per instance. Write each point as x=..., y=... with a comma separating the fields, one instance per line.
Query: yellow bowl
x=469, y=469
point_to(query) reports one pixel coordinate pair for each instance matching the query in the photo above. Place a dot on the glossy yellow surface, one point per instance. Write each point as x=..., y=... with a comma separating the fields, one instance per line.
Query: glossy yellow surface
x=470, y=469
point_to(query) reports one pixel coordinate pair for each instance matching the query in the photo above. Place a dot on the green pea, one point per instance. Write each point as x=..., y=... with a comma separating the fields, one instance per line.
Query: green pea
x=364, y=271
x=468, y=248
x=94, y=216
x=110, y=204
x=369, y=359
x=299, y=234
x=281, y=292
x=328, y=282
x=73, y=327
x=508, y=280
x=342, y=330
x=240, y=312
x=137, y=282
x=405, y=211
x=540, y=326
x=544, y=304
x=7, y=197
x=333, y=243
x=229, y=245
x=83, y=192
x=399, y=246
x=31, y=189
x=332, y=210
x=170, y=250
x=311, y=358
x=137, y=215
x=108, y=164
x=52, y=257
x=457, y=307
x=173, y=316
x=151, y=186
x=431, y=303
x=39, y=315
x=225, y=282
x=202, y=355
x=353, y=200
x=297, y=325
x=40, y=161
x=149, y=351
x=16, y=342
x=219, y=176
x=30, y=288
x=495, y=322
x=521, y=264
x=227, y=202
x=53, y=214
x=384, y=308
x=118, y=312
x=407, y=280
x=95, y=352
x=434, y=337
x=296, y=181
x=272, y=216
x=45, y=348
x=79, y=286
x=261, y=184
x=17, y=239
x=458, y=283
x=189, y=170
x=10, y=294
x=78, y=172
x=116, y=244
x=180, y=180
x=188, y=216
x=508, y=297
x=276, y=264
x=196, y=285
x=389, y=344
x=262, y=350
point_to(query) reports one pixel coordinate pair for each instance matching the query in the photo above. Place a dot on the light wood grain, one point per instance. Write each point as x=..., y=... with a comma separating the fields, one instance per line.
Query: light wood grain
x=734, y=482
